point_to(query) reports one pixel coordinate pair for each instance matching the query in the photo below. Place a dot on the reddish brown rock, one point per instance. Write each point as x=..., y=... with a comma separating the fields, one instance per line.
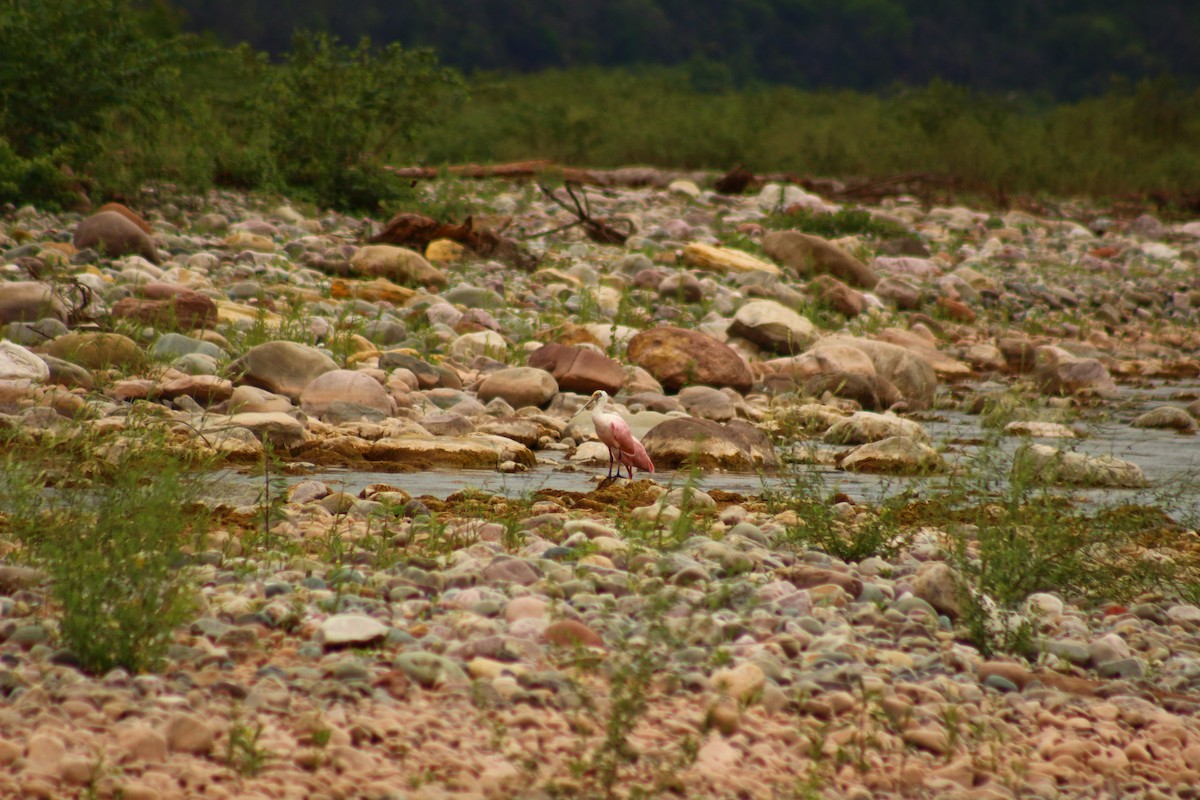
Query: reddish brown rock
x=956, y=310
x=204, y=389
x=113, y=235
x=571, y=633
x=578, y=369
x=184, y=311
x=831, y=292
x=677, y=357
x=128, y=214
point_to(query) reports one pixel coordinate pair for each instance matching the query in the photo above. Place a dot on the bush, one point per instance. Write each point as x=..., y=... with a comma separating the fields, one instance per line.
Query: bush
x=342, y=111
x=111, y=535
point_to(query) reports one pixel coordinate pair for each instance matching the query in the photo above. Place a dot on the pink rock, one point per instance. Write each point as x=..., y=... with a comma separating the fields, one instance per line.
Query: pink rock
x=143, y=744
x=578, y=369
x=347, y=387
x=45, y=752
x=187, y=733
x=525, y=608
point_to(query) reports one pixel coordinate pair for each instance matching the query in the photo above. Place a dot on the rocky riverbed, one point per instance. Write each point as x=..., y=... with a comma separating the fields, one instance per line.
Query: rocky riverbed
x=922, y=524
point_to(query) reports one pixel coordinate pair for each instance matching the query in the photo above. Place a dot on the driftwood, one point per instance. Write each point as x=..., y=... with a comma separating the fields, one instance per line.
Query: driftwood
x=417, y=231
x=598, y=230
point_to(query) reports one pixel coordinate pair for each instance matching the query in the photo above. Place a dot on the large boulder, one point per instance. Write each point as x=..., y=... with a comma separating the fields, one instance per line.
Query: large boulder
x=810, y=255
x=331, y=392
x=910, y=374
x=475, y=451
x=1057, y=372
x=113, y=235
x=684, y=442
x=397, y=264
x=29, y=301
x=519, y=386
x=282, y=367
x=578, y=369
x=773, y=326
x=677, y=358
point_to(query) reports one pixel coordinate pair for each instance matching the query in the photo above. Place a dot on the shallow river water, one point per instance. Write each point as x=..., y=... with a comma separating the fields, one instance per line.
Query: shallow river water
x=1170, y=460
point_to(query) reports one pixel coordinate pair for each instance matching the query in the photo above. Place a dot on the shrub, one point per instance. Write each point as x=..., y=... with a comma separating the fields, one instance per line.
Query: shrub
x=111, y=535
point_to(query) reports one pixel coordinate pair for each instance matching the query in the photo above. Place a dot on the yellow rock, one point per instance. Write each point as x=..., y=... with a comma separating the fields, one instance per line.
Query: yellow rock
x=480, y=667
x=361, y=344
x=228, y=311
x=551, y=275
x=378, y=289
x=250, y=241
x=724, y=259
x=442, y=251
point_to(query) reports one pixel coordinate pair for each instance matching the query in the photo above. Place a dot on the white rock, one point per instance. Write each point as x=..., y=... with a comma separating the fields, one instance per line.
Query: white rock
x=351, y=629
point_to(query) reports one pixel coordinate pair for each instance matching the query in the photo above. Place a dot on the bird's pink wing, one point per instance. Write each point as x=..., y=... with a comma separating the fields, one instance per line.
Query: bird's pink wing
x=632, y=451
x=638, y=457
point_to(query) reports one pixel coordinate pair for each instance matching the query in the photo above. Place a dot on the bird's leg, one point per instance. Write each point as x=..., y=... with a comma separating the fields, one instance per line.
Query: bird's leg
x=610, y=464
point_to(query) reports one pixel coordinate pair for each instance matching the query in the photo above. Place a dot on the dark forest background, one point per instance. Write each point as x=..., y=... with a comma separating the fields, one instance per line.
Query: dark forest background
x=317, y=98
x=1063, y=48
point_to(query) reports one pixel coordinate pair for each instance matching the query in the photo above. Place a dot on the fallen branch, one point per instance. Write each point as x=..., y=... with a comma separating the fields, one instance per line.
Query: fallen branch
x=417, y=231
x=598, y=230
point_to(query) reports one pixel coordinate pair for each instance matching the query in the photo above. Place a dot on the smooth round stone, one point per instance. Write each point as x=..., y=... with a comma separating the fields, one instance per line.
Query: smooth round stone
x=196, y=364
x=528, y=607
x=26, y=636
x=310, y=650
x=277, y=589
x=910, y=602
x=1000, y=683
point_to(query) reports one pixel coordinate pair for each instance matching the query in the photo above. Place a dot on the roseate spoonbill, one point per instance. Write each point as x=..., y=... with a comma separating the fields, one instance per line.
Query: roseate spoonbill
x=623, y=449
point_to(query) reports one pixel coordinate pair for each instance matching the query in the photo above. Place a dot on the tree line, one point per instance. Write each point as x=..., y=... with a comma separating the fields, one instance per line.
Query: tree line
x=1060, y=48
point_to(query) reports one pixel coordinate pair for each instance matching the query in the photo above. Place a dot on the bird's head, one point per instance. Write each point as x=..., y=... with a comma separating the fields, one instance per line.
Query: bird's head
x=599, y=397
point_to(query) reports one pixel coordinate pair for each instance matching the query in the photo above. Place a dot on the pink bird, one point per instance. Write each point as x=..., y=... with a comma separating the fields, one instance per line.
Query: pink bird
x=623, y=449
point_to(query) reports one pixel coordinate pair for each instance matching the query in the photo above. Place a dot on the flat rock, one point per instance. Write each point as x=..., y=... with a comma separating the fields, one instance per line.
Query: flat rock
x=351, y=630
x=397, y=264
x=867, y=426
x=724, y=259
x=895, y=455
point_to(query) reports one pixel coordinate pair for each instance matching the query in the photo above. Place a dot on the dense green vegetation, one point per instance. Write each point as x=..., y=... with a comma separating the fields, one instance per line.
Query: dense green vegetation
x=100, y=97
x=1057, y=47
